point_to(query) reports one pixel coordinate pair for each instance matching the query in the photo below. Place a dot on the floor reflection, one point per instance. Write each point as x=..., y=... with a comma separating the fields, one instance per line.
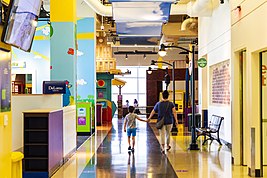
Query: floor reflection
x=105, y=155
x=113, y=159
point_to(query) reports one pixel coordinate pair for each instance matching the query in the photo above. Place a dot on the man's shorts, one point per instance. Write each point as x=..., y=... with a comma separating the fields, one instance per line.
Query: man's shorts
x=131, y=131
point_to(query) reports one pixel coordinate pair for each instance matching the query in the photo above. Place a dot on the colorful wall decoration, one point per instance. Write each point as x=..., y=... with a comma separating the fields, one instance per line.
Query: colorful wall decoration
x=86, y=76
x=36, y=62
x=5, y=82
x=220, y=83
x=86, y=73
x=5, y=113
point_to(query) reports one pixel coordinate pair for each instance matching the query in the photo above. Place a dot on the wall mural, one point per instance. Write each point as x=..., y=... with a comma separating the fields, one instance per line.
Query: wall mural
x=220, y=83
x=5, y=76
x=36, y=62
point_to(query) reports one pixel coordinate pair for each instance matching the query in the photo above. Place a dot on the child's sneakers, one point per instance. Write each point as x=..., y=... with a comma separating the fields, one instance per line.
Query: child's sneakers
x=129, y=148
x=132, y=149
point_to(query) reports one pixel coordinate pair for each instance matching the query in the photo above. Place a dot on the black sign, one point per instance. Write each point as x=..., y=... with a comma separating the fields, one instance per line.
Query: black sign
x=53, y=87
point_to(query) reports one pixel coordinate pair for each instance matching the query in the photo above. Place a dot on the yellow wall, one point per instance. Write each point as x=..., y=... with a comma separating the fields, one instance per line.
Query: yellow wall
x=60, y=14
x=5, y=145
x=5, y=134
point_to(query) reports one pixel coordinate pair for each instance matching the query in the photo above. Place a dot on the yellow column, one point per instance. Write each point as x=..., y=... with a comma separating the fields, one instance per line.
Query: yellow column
x=63, y=11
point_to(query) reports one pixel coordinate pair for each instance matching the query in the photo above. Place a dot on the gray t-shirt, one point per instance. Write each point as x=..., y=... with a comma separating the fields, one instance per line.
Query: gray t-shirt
x=131, y=120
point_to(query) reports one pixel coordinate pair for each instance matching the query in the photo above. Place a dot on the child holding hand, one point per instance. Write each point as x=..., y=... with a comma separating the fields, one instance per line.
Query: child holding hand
x=130, y=122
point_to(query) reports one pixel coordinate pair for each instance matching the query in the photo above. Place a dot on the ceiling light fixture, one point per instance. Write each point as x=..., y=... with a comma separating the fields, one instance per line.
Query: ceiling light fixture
x=162, y=52
x=149, y=71
x=145, y=56
x=126, y=57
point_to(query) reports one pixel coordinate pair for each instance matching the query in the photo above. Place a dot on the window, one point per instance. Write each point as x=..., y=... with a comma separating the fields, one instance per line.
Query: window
x=135, y=88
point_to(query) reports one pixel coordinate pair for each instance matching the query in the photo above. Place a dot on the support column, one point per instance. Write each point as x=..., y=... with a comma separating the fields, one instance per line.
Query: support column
x=86, y=74
x=86, y=67
x=64, y=43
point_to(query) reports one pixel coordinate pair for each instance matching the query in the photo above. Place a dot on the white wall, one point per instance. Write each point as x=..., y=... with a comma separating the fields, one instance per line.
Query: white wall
x=249, y=32
x=215, y=45
x=21, y=103
x=69, y=130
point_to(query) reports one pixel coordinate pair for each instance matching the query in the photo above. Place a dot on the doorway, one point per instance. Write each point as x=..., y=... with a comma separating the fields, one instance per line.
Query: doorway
x=21, y=83
x=263, y=83
x=243, y=103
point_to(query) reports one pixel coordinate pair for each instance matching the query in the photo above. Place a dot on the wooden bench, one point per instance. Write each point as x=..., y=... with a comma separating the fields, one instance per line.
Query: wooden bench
x=213, y=128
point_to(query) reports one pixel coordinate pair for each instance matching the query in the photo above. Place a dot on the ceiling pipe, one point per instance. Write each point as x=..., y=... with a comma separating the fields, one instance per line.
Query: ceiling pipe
x=198, y=8
x=186, y=22
x=99, y=8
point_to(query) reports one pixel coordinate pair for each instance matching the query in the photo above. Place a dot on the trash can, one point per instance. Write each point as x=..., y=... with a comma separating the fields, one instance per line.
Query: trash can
x=205, y=118
x=16, y=169
x=198, y=121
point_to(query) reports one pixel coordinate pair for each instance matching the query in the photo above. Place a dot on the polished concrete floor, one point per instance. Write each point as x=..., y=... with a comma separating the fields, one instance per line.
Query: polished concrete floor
x=105, y=155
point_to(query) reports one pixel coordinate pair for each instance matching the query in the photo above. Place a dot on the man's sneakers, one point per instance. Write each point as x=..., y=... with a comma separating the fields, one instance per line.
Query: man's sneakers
x=130, y=149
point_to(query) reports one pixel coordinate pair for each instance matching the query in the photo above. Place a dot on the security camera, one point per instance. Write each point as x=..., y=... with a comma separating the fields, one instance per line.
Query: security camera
x=102, y=27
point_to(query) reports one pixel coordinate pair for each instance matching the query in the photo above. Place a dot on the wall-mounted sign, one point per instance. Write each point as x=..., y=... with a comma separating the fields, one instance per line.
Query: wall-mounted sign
x=53, y=87
x=18, y=64
x=202, y=62
x=101, y=83
x=220, y=83
x=81, y=116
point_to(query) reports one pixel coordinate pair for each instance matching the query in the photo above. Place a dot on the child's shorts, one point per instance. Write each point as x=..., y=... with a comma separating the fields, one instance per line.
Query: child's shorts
x=131, y=131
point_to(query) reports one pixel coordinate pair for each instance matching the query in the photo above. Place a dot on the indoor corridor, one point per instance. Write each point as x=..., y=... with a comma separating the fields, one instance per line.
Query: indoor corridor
x=105, y=155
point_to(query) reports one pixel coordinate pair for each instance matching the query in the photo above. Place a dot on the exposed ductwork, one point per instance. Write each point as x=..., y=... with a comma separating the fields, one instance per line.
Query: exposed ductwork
x=99, y=8
x=198, y=8
x=186, y=22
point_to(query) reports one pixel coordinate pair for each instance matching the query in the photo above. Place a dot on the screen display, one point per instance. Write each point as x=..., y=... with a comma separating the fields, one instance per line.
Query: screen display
x=22, y=23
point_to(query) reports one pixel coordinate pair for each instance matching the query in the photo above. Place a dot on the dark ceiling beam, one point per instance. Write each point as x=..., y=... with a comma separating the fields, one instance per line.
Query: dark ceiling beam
x=135, y=52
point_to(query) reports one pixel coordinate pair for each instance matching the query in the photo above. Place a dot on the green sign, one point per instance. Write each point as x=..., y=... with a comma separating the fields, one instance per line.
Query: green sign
x=202, y=62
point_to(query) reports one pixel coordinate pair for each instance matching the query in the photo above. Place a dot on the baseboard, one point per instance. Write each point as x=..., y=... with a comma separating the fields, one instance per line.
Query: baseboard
x=69, y=155
x=258, y=172
x=229, y=145
x=83, y=133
